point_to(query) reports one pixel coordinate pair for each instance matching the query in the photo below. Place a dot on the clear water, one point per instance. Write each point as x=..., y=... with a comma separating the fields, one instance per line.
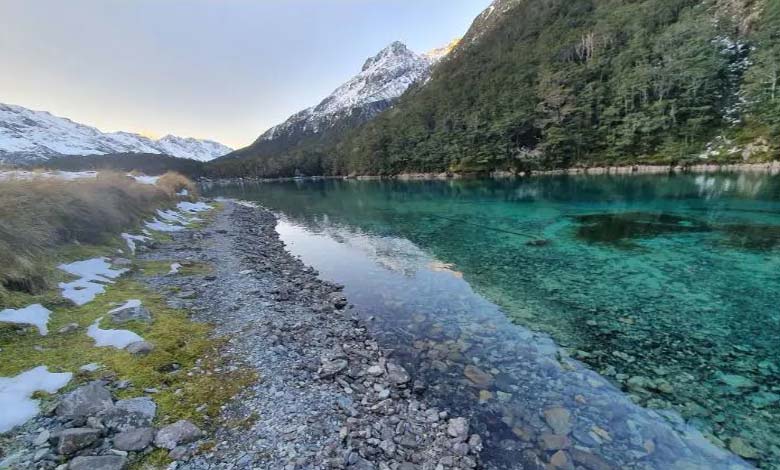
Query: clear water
x=668, y=287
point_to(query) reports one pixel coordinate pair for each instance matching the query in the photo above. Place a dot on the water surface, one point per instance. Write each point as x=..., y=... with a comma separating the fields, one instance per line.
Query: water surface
x=666, y=286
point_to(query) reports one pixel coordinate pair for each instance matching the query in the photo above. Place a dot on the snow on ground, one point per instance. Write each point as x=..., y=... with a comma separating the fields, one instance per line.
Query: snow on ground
x=15, y=393
x=174, y=217
x=175, y=267
x=31, y=175
x=144, y=179
x=132, y=303
x=93, y=274
x=131, y=239
x=193, y=206
x=35, y=314
x=119, y=339
x=162, y=226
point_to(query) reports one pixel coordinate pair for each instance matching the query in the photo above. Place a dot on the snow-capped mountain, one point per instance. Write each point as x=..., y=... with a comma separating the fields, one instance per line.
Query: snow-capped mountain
x=383, y=79
x=27, y=135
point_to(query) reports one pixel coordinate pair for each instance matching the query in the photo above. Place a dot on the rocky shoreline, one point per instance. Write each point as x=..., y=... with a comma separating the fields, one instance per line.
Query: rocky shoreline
x=328, y=396
x=772, y=168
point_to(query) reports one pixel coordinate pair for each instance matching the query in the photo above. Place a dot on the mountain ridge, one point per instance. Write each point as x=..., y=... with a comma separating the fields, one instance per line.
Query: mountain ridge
x=293, y=145
x=27, y=135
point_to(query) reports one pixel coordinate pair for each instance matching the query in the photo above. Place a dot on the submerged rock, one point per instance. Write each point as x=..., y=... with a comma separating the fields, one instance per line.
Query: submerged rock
x=742, y=448
x=559, y=419
x=478, y=377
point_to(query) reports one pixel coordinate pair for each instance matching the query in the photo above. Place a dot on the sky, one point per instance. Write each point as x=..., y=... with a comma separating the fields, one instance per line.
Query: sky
x=219, y=69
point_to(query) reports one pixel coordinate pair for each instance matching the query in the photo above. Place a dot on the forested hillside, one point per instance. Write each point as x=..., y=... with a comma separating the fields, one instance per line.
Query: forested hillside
x=558, y=83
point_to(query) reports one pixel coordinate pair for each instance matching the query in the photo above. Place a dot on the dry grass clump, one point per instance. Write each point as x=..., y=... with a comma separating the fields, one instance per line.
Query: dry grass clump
x=173, y=183
x=39, y=214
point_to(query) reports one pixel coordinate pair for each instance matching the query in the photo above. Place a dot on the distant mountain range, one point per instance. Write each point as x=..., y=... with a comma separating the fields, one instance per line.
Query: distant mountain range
x=381, y=81
x=32, y=136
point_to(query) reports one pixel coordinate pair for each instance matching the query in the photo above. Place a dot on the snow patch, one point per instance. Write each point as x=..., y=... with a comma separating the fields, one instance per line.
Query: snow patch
x=131, y=239
x=35, y=314
x=119, y=339
x=132, y=303
x=193, y=206
x=15, y=393
x=162, y=226
x=93, y=274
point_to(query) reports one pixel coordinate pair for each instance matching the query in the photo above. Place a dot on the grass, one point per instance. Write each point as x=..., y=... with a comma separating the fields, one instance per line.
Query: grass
x=186, y=367
x=41, y=214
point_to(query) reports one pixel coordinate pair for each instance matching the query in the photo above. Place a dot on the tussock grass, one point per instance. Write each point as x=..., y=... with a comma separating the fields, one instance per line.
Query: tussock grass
x=41, y=214
x=173, y=183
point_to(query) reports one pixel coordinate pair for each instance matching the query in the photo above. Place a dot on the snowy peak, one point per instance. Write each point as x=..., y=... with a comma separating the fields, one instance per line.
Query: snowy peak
x=38, y=135
x=382, y=79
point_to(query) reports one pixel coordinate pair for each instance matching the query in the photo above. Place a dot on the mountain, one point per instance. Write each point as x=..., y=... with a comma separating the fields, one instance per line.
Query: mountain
x=541, y=84
x=547, y=84
x=382, y=79
x=27, y=135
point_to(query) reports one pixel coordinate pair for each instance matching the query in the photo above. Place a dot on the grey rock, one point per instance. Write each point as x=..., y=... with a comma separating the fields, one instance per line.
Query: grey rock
x=173, y=435
x=103, y=462
x=90, y=399
x=132, y=313
x=559, y=419
x=140, y=348
x=134, y=439
x=75, y=439
x=142, y=405
x=130, y=414
x=331, y=368
x=180, y=453
x=338, y=300
x=458, y=429
x=69, y=328
x=41, y=438
x=397, y=374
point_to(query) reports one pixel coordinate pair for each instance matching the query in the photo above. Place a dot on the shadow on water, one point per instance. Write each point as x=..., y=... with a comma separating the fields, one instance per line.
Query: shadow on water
x=665, y=286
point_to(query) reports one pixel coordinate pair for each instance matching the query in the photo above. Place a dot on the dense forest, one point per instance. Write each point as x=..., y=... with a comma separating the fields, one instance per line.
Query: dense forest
x=559, y=83
x=149, y=163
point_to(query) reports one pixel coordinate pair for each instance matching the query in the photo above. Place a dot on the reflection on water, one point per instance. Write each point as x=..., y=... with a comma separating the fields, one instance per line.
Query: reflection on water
x=667, y=286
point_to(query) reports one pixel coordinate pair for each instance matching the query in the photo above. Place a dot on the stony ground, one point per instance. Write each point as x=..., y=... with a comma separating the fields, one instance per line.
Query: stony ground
x=328, y=396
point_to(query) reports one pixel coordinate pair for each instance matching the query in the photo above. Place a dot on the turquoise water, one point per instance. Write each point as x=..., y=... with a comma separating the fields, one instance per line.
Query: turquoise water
x=668, y=286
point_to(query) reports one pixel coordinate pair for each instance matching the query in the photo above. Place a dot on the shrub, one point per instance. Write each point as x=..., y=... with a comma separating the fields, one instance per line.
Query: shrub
x=39, y=214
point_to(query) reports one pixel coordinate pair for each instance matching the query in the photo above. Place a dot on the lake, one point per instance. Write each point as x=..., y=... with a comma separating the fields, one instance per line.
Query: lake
x=633, y=321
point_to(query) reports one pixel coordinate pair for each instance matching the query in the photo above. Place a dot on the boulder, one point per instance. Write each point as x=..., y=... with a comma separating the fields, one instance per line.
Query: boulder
x=131, y=414
x=134, y=439
x=173, y=435
x=103, y=462
x=87, y=400
x=71, y=440
x=140, y=348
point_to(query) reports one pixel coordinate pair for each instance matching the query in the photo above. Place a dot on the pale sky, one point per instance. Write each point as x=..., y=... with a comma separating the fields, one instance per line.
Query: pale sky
x=218, y=69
